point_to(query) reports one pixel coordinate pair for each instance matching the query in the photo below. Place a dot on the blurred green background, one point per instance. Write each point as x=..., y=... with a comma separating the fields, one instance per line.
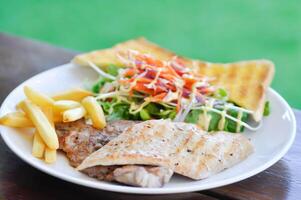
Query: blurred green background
x=215, y=30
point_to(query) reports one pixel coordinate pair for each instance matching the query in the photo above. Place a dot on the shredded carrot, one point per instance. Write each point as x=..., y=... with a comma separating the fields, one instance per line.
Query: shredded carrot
x=171, y=87
x=172, y=71
x=159, y=89
x=154, y=62
x=189, y=82
x=144, y=80
x=155, y=77
x=142, y=88
x=158, y=97
x=130, y=72
x=167, y=77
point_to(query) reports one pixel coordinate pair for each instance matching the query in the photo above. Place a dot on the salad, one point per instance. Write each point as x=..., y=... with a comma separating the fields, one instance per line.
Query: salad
x=147, y=88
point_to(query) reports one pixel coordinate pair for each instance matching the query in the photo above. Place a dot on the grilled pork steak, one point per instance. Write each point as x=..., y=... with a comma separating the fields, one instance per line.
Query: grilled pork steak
x=78, y=140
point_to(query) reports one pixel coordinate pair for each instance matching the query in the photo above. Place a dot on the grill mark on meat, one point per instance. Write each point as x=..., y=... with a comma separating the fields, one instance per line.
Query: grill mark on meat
x=78, y=140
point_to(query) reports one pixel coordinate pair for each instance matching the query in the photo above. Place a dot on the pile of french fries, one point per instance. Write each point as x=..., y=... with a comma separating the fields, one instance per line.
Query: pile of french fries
x=41, y=112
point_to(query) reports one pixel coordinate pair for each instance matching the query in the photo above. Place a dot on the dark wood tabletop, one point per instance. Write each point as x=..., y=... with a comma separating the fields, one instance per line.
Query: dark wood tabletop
x=22, y=58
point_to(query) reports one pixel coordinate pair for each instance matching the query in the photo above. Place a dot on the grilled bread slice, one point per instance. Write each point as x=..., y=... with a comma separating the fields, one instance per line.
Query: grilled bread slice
x=181, y=147
x=246, y=81
x=107, y=57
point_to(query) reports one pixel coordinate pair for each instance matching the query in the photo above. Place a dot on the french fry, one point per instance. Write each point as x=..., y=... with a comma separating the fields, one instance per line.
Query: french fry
x=38, y=118
x=19, y=105
x=16, y=119
x=64, y=105
x=50, y=155
x=95, y=112
x=38, y=146
x=48, y=112
x=37, y=97
x=74, y=94
x=74, y=114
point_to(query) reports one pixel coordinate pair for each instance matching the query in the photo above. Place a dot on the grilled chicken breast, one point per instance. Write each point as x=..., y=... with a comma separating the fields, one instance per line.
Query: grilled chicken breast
x=78, y=140
x=182, y=147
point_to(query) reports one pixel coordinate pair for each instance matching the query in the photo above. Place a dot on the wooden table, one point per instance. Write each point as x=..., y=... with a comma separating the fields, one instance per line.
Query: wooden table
x=21, y=58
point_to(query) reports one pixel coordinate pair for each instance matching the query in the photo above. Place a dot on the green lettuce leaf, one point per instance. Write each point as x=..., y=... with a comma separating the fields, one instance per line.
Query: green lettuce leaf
x=99, y=84
x=267, y=109
x=112, y=70
x=230, y=125
x=159, y=111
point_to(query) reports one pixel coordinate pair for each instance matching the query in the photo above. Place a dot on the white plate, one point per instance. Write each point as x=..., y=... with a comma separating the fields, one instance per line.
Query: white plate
x=271, y=142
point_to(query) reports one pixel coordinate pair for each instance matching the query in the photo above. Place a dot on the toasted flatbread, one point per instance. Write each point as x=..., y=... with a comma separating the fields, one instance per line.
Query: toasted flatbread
x=181, y=147
x=246, y=81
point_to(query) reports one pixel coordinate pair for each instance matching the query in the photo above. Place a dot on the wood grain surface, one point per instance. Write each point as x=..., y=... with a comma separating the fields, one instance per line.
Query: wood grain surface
x=22, y=58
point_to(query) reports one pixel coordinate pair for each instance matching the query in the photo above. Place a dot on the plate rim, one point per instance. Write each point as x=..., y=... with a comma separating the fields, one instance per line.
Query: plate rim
x=137, y=190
